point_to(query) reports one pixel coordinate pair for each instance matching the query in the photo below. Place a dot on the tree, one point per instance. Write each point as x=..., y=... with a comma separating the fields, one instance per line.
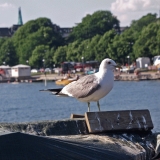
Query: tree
x=60, y=55
x=91, y=48
x=148, y=42
x=72, y=52
x=7, y=52
x=35, y=33
x=82, y=49
x=117, y=50
x=36, y=60
x=103, y=45
x=137, y=25
x=91, y=25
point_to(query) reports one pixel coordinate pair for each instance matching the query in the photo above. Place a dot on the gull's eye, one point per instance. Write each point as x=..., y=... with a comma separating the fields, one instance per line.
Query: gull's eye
x=109, y=62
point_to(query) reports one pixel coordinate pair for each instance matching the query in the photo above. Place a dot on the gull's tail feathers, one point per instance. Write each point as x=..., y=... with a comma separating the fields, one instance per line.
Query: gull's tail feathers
x=55, y=92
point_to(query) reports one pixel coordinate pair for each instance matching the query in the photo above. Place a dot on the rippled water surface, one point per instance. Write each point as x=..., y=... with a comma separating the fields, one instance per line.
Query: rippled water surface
x=24, y=103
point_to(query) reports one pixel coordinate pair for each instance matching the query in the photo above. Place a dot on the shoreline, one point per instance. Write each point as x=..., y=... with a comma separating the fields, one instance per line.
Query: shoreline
x=117, y=77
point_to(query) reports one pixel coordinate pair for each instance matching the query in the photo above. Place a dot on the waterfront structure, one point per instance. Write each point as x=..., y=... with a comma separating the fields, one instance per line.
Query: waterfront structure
x=21, y=71
x=143, y=62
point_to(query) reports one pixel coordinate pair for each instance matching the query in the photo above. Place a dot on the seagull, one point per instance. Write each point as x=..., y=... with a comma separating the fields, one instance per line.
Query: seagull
x=90, y=87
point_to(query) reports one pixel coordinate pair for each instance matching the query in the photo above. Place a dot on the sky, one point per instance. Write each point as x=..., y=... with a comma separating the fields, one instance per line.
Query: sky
x=66, y=13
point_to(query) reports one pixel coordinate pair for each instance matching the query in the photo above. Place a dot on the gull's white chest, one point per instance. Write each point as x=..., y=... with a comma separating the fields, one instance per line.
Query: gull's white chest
x=106, y=84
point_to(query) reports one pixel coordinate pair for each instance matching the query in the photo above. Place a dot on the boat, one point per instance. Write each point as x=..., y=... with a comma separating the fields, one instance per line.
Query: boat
x=65, y=81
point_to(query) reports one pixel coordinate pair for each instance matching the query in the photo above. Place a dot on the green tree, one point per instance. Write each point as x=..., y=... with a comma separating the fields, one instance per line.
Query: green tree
x=35, y=33
x=60, y=55
x=82, y=50
x=137, y=25
x=72, y=53
x=126, y=44
x=117, y=50
x=7, y=52
x=91, y=25
x=103, y=45
x=148, y=42
x=91, y=48
x=38, y=57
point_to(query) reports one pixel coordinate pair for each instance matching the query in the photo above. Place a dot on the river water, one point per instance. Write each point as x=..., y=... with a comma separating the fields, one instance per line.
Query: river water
x=23, y=102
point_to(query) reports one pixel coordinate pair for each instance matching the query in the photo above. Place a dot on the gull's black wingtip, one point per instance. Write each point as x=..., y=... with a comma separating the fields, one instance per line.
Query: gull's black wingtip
x=51, y=90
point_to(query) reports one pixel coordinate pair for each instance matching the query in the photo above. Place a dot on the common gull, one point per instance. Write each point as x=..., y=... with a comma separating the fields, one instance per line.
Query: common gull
x=90, y=87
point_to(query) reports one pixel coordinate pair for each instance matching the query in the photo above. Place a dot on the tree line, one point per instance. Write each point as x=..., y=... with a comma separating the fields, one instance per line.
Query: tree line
x=98, y=36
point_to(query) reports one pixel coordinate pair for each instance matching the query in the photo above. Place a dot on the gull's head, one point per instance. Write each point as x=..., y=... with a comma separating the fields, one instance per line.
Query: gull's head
x=107, y=64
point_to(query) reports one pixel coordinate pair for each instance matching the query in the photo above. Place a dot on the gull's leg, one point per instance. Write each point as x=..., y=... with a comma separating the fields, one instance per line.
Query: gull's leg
x=98, y=105
x=88, y=106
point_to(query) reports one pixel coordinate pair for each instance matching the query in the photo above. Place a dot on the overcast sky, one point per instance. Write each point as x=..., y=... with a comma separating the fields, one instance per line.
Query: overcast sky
x=66, y=13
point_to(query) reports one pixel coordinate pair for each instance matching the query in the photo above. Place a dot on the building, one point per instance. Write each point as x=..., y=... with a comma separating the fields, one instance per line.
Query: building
x=5, y=32
x=21, y=71
x=8, y=32
x=122, y=29
x=65, y=32
x=143, y=62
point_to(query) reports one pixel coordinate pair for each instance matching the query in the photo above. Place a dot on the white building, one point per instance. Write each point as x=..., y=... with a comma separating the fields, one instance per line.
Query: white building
x=21, y=71
x=143, y=62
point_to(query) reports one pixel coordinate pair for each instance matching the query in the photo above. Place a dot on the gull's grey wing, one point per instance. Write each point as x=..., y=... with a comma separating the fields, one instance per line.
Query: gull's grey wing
x=83, y=87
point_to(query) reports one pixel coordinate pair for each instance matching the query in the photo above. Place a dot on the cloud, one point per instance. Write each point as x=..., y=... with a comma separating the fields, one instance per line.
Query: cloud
x=128, y=10
x=133, y=5
x=6, y=6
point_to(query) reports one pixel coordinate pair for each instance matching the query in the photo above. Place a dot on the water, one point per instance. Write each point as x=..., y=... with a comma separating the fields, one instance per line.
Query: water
x=24, y=103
